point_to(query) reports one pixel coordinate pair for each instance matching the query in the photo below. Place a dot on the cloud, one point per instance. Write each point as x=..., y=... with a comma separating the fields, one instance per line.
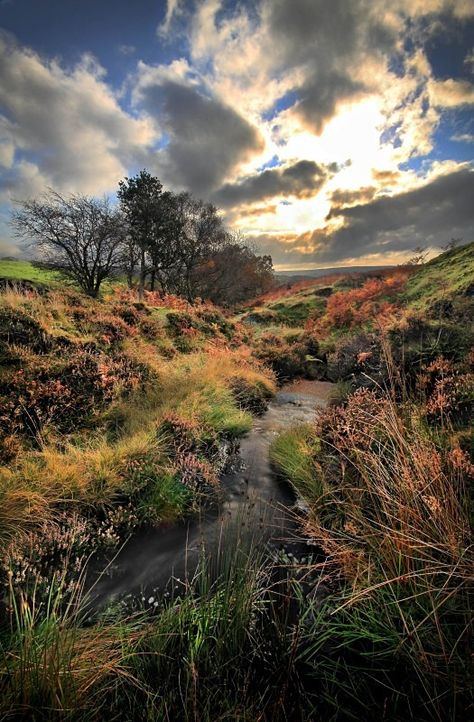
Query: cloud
x=451, y=93
x=463, y=138
x=330, y=42
x=207, y=139
x=67, y=124
x=302, y=180
x=341, y=198
x=126, y=49
x=311, y=82
x=469, y=61
x=172, y=9
x=425, y=216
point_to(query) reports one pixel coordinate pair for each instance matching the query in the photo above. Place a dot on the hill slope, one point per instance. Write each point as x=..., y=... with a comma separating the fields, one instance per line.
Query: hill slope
x=447, y=276
x=18, y=270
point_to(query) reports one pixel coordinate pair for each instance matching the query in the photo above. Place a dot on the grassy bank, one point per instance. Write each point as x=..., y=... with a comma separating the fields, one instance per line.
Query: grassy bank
x=389, y=504
x=17, y=270
x=114, y=414
x=386, y=475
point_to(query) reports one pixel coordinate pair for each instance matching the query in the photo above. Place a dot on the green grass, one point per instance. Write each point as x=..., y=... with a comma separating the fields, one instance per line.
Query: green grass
x=290, y=311
x=292, y=453
x=27, y=271
x=443, y=278
x=294, y=311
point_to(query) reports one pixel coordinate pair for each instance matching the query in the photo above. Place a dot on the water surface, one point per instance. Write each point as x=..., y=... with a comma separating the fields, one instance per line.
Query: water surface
x=252, y=500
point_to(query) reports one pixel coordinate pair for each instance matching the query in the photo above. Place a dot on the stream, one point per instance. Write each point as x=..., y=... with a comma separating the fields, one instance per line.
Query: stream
x=254, y=504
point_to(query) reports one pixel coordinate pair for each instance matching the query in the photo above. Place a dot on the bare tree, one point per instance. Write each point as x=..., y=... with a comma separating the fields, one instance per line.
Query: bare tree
x=420, y=254
x=78, y=235
x=451, y=245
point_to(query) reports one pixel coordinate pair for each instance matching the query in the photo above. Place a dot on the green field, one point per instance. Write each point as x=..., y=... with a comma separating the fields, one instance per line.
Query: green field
x=26, y=271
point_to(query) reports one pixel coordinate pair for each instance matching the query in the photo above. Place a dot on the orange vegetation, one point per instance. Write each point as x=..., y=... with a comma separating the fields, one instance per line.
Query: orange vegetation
x=357, y=306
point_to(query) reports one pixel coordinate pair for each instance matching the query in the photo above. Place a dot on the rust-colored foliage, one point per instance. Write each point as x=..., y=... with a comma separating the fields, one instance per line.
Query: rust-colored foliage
x=448, y=388
x=357, y=306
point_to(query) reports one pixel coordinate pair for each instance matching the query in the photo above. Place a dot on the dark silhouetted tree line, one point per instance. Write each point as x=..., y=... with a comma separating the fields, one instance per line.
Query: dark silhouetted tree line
x=160, y=240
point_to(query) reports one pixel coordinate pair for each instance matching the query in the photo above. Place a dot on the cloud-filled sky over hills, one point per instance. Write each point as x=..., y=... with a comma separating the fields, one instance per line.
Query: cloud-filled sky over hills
x=328, y=132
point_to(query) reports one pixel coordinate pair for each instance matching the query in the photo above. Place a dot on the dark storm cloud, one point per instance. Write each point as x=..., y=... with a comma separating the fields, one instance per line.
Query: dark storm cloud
x=302, y=180
x=207, y=138
x=426, y=216
x=351, y=198
x=329, y=40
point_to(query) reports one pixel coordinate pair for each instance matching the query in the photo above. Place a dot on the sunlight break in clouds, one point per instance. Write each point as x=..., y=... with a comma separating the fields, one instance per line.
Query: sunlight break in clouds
x=285, y=113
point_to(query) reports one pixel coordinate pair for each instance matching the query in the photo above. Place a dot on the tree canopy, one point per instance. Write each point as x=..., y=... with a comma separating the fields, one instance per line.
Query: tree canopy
x=170, y=241
x=81, y=236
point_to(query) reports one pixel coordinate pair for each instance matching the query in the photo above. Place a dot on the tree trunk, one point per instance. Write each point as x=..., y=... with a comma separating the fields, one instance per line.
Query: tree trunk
x=141, y=286
x=152, y=280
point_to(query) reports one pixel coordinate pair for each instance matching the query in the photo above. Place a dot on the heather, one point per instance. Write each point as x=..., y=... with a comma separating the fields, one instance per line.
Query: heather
x=121, y=414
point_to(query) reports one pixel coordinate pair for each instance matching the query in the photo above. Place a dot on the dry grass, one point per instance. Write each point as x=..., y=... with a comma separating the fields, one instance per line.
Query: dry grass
x=393, y=519
x=400, y=498
x=40, y=482
x=90, y=465
x=55, y=663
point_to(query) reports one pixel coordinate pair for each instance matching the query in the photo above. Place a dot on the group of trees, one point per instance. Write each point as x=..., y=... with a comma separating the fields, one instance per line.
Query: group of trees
x=166, y=241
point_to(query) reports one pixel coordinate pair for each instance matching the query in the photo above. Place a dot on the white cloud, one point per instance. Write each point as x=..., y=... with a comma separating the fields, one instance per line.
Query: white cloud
x=463, y=138
x=68, y=124
x=451, y=93
x=172, y=9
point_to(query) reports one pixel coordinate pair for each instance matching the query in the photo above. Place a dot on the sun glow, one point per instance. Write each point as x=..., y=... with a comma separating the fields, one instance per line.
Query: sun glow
x=351, y=140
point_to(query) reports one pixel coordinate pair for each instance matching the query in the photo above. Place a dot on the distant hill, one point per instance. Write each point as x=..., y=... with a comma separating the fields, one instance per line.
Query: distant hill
x=303, y=275
x=447, y=278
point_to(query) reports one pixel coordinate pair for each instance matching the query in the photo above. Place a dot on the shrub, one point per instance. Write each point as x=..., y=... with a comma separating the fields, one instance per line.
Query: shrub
x=290, y=358
x=187, y=329
x=340, y=393
x=393, y=521
x=130, y=313
x=449, y=393
x=357, y=358
x=19, y=329
x=360, y=306
x=251, y=395
x=66, y=393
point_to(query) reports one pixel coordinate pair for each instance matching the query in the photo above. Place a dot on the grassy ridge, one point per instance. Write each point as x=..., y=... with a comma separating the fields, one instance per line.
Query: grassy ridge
x=26, y=271
x=449, y=275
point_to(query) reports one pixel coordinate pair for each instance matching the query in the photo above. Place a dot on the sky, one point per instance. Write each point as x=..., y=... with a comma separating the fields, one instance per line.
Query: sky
x=328, y=133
